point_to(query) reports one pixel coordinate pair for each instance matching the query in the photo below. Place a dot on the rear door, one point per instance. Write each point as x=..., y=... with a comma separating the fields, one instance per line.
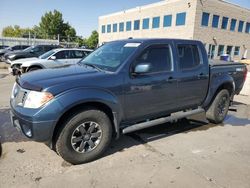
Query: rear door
x=193, y=75
x=76, y=56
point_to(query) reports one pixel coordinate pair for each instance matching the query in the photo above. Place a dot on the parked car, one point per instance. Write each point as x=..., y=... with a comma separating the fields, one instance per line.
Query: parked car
x=121, y=87
x=3, y=47
x=11, y=49
x=51, y=59
x=33, y=51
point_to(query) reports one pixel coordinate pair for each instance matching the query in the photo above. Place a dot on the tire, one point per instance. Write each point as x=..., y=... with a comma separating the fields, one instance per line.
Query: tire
x=218, y=110
x=74, y=143
x=33, y=69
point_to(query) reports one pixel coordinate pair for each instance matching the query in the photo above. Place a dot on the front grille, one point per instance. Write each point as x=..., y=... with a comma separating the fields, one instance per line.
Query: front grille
x=19, y=95
x=24, y=97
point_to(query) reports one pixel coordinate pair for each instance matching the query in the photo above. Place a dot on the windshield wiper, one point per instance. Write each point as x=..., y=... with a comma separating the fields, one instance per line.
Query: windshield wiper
x=93, y=66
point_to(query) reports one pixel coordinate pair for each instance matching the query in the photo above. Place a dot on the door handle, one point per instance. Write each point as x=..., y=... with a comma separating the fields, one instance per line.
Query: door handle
x=171, y=79
x=202, y=75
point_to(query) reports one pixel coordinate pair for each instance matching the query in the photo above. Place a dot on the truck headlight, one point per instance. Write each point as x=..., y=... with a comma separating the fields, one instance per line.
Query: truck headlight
x=36, y=99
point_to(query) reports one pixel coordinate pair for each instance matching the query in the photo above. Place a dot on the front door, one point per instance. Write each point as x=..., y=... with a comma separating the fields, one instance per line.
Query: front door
x=153, y=93
x=62, y=58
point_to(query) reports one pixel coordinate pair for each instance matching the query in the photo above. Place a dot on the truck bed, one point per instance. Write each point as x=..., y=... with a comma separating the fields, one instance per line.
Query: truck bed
x=236, y=70
x=215, y=63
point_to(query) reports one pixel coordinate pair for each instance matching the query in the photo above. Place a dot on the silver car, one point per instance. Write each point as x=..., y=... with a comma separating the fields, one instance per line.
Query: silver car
x=51, y=59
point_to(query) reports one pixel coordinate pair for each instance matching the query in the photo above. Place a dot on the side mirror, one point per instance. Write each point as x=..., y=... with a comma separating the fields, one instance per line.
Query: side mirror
x=142, y=68
x=53, y=58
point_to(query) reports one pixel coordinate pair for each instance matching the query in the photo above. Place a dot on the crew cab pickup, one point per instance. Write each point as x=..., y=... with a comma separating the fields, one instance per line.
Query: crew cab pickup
x=121, y=87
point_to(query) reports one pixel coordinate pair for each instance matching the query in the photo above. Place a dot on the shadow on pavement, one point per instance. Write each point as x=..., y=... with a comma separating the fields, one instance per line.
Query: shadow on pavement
x=7, y=132
x=196, y=123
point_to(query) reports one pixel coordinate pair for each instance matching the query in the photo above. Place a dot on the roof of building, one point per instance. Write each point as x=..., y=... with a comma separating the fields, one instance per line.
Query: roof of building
x=164, y=2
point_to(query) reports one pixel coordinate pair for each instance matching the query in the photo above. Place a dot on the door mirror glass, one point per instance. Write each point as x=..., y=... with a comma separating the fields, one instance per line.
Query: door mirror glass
x=142, y=68
x=52, y=58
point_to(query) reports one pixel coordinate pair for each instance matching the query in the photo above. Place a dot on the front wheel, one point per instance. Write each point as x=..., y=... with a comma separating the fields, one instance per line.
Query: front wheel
x=219, y=108
x=85, y=136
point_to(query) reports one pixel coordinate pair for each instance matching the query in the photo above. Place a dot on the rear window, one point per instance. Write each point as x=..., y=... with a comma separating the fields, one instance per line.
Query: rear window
x=77, y=54
x=189, y=57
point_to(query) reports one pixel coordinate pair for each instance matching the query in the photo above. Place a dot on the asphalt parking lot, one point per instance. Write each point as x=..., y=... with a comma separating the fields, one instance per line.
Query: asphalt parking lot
x=189, y=153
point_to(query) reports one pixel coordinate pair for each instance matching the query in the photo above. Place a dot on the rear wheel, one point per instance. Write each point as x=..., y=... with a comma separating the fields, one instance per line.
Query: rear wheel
x=85, y=136
x=219, y=108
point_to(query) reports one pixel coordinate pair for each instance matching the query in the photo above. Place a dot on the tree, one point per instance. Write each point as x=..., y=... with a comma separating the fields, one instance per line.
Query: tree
x=11, y=31
x=52, y=24
x=92, y=41
x=17, y=31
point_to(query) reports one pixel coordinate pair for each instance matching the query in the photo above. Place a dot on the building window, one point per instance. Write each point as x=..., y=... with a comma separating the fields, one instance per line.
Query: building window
x=248, y=28
x=229, y=50
x=237, y=50
x=181, y=18
x=221, y=50
x=156, y=22
x=121, y=26
x=205, y=19
x=128, y=26
x=114, y=28
x=240, y=28
x=215, y=22
x=167, y=22
x=211, y=51
x=109, y=28
x=137, y=25
x=224, y=23
x=145, y=23
x=103, y=29
x=233, y=24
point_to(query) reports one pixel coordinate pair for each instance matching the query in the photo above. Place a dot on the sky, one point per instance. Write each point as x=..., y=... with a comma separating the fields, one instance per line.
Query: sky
x=82, y=15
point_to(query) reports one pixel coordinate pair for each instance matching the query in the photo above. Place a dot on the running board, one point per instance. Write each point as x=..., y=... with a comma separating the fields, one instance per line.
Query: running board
x=172, y=117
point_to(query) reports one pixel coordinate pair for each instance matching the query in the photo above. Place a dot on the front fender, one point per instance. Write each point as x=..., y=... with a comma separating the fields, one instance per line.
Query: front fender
x=75, y=97
x=217, y=81
x=27, y=64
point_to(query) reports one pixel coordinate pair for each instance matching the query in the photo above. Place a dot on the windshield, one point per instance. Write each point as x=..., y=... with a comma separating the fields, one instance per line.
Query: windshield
x=28, y=49
x=111, y=55
x=47, y=54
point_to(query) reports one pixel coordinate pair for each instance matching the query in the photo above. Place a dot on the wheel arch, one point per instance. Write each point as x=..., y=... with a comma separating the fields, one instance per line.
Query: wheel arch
x=79, y=107
x=230, y=86
x=34, y=66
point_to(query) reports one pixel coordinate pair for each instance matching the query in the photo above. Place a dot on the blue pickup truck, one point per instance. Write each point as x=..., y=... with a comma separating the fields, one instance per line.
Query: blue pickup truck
x=121, y=87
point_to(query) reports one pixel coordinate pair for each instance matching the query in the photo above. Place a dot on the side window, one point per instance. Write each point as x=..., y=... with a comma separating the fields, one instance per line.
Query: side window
x=77, y=54
x=15, y=47
x=62, y=55
x=188, y=56
x=160, y=58
x=48, y=48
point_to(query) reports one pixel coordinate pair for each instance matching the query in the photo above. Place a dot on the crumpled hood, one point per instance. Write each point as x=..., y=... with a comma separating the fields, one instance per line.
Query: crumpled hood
x=68, y=76
x=21, y=61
